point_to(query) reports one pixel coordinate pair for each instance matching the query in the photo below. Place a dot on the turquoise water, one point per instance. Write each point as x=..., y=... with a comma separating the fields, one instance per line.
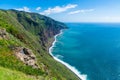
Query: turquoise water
x=92, y=48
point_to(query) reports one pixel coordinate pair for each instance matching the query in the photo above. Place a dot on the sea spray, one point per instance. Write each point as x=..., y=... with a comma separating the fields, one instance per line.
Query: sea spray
x=73, y=69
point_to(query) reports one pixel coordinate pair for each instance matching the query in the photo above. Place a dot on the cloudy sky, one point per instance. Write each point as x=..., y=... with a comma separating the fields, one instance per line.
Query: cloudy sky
x=69, y=10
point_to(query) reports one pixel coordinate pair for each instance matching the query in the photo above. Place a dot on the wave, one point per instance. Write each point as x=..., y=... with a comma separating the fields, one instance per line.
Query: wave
x=72, y=68
x=59, y=56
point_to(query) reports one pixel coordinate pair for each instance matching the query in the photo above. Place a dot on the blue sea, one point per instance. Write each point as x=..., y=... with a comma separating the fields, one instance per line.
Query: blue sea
x=92, y=48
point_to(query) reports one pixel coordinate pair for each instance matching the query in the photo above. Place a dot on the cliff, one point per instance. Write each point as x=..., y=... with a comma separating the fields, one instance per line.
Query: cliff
x=28, y=35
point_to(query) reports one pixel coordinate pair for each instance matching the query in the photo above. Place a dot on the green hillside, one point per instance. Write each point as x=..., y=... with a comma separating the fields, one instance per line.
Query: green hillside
x=35, y=32
x=7, y=74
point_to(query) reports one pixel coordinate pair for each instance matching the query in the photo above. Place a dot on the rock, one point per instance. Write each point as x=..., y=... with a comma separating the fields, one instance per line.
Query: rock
x=3, y=34
x=27, y=51
x=26, y=56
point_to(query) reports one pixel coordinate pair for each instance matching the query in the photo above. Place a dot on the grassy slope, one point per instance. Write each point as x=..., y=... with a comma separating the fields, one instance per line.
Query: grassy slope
x=7, y=74
x=26, y=36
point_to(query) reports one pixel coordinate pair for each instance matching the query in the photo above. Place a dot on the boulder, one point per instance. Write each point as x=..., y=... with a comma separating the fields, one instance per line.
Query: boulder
x=26, y=55
x=3, y=34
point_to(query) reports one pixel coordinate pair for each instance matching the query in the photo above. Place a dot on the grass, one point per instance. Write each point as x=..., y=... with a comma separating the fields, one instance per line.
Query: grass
x=7, y=74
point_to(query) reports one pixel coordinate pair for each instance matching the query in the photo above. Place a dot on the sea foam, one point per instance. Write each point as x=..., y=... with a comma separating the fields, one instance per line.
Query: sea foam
x=72, y=68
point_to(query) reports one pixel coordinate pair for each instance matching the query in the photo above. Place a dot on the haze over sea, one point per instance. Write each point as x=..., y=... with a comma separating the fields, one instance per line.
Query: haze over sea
x=92, y=48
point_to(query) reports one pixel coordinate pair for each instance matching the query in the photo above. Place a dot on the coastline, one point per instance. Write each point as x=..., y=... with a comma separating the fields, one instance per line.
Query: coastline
x=73, y=69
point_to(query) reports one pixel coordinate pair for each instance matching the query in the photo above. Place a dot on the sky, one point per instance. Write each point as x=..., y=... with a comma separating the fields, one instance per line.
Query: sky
x=69, y=10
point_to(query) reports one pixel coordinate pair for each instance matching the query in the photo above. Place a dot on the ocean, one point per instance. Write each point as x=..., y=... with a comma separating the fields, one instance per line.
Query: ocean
x=90, y=50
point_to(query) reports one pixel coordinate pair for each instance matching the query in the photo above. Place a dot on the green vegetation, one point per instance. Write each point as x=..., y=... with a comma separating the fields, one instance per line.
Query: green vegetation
x=35, y=32
x=9, y=60
x=7, y=74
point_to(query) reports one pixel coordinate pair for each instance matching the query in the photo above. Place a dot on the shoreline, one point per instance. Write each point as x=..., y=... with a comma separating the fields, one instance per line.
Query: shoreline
x=72, y=68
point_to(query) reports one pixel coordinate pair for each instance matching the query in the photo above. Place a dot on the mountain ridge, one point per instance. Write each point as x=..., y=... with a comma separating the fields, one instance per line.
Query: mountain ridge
x=36, y=32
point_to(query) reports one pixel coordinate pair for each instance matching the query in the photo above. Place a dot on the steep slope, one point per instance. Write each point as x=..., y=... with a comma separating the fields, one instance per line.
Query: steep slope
x=33, y=31
x=7, y=74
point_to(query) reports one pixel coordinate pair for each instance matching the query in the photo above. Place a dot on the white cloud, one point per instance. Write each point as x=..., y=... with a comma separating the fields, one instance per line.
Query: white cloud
x=38, y=8
x=26, y=9
x=58, y=9
x=74, y=12
x=81, y=11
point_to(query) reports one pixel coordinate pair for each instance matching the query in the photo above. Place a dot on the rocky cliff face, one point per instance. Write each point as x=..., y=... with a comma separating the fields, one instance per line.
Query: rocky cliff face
x=40, y=25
